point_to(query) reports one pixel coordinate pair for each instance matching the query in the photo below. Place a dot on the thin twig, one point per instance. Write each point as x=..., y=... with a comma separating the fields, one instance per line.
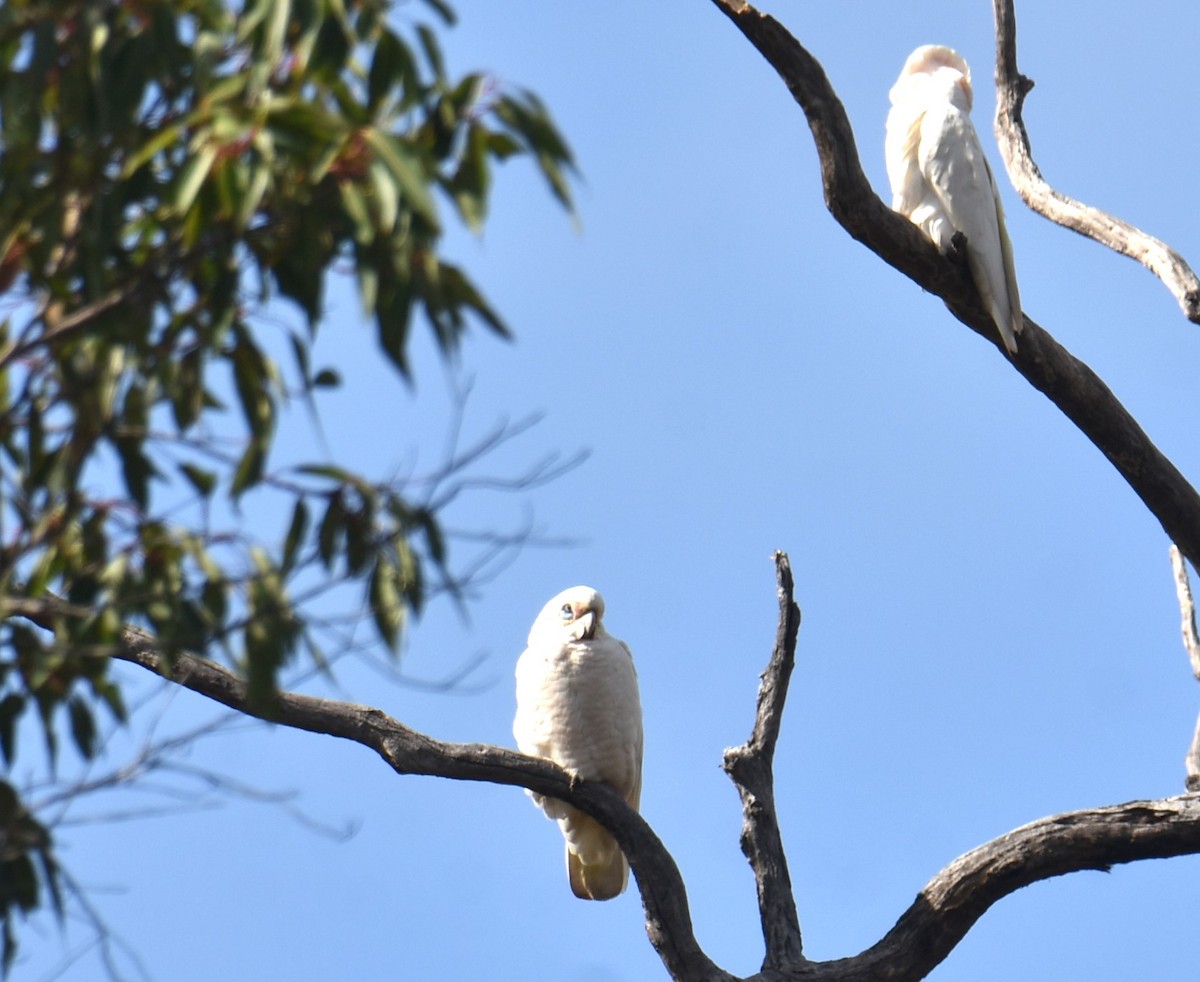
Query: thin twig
x=110, y=945
x=73, y=323
x=1187, y=610
x=751, y=768
x=1191, y=643
x=1011, y=89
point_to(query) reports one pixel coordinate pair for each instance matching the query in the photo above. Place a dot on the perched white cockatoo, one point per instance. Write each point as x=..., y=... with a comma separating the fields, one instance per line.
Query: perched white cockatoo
x=577, y=704
x=941, y=179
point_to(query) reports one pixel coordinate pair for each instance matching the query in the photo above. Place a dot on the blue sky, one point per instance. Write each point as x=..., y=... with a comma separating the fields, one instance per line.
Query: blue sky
x=990, y=632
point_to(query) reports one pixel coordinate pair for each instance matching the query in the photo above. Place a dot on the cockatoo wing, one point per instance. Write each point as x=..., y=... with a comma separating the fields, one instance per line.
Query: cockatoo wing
x=901, y=144
x=578, y=705
x=952, y=161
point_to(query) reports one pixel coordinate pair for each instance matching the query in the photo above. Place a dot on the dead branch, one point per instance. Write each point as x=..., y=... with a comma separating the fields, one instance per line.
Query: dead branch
x=940, y=917
x=1073, y=387
x=1011, y=89
x=951, y=903
x=751, y=768
x=664, y=898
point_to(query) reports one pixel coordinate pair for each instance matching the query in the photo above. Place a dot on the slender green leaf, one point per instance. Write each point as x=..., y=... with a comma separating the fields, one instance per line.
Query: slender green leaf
x=472, y=180
x=250, y=467
x=385, y=198
x=297, y=531
x=444, y=11
x=387, y=604
x=51, y=878
x=387, y=67
x=354, y=201
x=164, y=138
x=11, y=708
x=202, y=480
x=137, y=470
x=83, y=726
x=9, y=950
x=192, y=177
x=18, y=881
x=214, y=597
x=110, y=694
x=333, y=526
x=360, y=538
x=404, y=166
x=337, y=474
x=433, y=50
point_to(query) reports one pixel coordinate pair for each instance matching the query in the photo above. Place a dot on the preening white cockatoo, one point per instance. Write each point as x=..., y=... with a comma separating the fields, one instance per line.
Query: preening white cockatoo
x=577, y=704
x=941, y=179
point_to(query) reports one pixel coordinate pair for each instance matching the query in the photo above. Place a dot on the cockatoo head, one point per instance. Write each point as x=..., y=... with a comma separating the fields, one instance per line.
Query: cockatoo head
x=573, y=615
x=935, y=64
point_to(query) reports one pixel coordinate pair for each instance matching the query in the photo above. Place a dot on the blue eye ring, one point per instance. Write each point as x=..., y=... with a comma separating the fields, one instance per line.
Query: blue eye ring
x=567, y=612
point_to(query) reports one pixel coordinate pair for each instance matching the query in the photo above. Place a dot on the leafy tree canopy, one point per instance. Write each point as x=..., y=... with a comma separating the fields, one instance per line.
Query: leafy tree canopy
x=170, y=168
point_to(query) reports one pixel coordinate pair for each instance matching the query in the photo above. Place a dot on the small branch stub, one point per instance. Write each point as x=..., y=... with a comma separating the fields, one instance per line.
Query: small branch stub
x=1191, y=643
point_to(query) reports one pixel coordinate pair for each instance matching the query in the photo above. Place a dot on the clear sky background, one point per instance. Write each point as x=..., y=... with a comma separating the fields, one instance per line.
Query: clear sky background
x=990, y=630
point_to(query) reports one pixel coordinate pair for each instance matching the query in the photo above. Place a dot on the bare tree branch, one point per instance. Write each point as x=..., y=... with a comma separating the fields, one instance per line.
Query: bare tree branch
x=951, y=903
x=1191, y=643
x=1011, y=89
x=939, y=918
x=751, y=768
x=664, y=898
x=1073, y=387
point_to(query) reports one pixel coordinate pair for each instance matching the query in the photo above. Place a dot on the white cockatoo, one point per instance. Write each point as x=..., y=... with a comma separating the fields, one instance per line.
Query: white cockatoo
x=941, y=179
x=577, y=705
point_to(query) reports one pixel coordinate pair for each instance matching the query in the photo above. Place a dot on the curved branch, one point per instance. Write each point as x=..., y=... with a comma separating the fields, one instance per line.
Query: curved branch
x=951, y=903
x=750, y=767
x=664, y=898
x=1011, y=89
x=941, y=916
x=1046, y=365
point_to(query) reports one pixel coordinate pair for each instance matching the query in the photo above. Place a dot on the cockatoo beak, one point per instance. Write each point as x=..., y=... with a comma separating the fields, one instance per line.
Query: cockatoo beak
x=966, y=87
x=585, y=626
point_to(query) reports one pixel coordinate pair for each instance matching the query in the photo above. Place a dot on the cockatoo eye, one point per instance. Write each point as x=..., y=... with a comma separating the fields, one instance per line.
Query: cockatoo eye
x=567, y=613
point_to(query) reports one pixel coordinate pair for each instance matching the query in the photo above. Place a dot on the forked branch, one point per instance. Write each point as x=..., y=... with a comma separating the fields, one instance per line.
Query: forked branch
x=940, y=917
x=751, y=766
x=1073, y=387
x=1011, y=89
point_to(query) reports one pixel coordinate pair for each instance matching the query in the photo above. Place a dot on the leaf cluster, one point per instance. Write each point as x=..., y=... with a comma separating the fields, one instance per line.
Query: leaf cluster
x=170, y=171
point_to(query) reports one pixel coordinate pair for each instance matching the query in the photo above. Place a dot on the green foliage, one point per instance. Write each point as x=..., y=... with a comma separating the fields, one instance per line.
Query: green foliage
x=27, y=867
x=168, y=169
